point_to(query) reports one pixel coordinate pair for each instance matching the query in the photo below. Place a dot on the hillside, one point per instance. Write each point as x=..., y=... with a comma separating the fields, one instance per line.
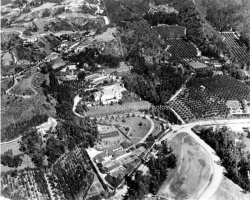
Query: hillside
x=226, y=15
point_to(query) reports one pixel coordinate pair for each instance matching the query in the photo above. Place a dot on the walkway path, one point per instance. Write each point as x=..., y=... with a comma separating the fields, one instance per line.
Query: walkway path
x=2, y=143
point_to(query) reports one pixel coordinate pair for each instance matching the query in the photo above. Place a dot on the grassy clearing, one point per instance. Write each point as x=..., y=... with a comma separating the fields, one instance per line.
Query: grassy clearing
x=14, y=109
x=230, y=191
x=7, y=57
x=122, y=67
x=116, y=108
x=14, y=146
x=136, y=130
x=246, y=141
x=24, y=86
x=135, y=140
x=192, y=172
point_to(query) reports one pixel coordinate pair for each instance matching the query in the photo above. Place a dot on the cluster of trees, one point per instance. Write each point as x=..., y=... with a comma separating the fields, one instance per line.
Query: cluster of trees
x=7, y=159
x=156, y=83
x=245, y=39
x=24, y=184
x=93, y=56
x=161, y=18
x=235, y=70
x=52, y=145
x=114, y=181
x=14, y=130
x=28, y=52
x=232, y=154
x=142, y=185
x=70, y=177
x=70, y=132
x=223, y=17
x=125, y=10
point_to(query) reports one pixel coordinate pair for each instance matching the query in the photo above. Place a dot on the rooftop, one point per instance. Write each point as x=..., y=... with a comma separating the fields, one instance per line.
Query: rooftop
x=197, y=65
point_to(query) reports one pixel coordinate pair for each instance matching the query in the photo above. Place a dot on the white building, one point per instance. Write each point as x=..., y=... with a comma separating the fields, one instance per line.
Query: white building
x=111, y=93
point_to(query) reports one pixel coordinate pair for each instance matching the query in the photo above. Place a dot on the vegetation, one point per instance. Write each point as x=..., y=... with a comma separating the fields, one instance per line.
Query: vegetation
x=141, y=185
x=71, y=174
x=7, y=159
x=170, y=32
x=206, y=97
x=180, y=49
x=70, y=132
x=231, y=153
x=24, y=184
x=93, y=57
x=238, y=52
x=15, y=130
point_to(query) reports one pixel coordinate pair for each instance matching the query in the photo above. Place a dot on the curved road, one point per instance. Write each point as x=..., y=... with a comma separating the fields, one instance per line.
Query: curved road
x=214, y=184
x=217, y=171
x=8, y=91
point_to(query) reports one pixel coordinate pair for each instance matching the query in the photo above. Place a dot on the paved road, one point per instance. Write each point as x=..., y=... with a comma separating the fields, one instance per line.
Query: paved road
x=217, y=170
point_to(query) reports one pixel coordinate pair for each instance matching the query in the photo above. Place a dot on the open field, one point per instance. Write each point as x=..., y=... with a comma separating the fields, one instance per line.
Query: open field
x=123, y=67
x=193, y=170
x=116, y=108
x=6, y=58
x=230, y=191
x=14, y=146
x=136, y=130
x=23, y=86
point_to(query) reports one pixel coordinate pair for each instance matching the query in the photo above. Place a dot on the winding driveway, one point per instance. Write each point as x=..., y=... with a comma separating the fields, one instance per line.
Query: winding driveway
x=8, y=91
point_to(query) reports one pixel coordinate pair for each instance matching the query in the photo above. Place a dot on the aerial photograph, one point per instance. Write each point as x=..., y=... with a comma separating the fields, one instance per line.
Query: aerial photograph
x=125, y=100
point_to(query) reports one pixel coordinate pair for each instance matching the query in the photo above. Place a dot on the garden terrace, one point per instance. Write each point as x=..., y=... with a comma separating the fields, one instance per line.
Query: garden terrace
x=238, y=50
x=181, y=49
x=170, y=32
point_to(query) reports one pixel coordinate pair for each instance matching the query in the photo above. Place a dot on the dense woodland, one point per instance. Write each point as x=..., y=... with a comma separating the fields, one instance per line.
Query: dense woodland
x=71, y=175
x=13, y=131
x=70, y=132
x=93, y=57
x=232, y=154
x=141, y=185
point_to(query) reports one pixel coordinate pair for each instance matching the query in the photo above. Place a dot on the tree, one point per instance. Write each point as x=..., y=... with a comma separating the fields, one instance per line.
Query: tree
x=81, y=75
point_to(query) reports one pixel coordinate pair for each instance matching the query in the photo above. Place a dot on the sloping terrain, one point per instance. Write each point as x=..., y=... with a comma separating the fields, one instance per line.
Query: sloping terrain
x=193, y=171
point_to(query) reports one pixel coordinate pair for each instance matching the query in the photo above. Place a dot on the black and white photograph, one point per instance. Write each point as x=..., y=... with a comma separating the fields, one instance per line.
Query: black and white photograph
x=125, y=100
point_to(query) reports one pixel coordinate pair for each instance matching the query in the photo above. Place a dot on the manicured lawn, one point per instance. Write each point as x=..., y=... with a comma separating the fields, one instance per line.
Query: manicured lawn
x=136, y=129
x=135, y=140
